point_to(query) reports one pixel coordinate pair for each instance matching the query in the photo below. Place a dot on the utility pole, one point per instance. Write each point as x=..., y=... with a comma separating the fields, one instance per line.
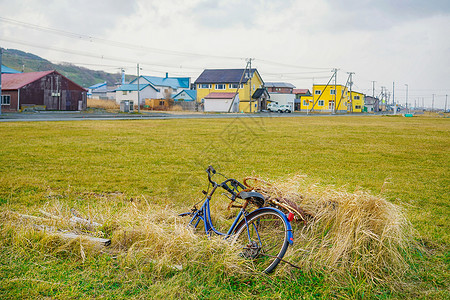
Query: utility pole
x=445, y=110
x=250, y=81
x=138, y=90
x=423, y=103
x=393, y=94
x=373, y=89
x=333, y=109
x=406, y=97
x=350, y=84
x=432, y=104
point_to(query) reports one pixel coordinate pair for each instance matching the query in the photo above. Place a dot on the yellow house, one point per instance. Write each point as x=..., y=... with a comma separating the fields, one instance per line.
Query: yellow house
x=329, y=98
x=357, y=102
x=306, y=103
x=229, y=81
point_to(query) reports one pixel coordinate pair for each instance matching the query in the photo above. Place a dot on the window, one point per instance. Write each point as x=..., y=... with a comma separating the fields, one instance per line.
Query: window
x=235, y=85
x=356, y=97
x=6, y=100
x=357, y=106
x=305, y=103
x=204, y=86
x=220, y=86
x=317, y=92
x=320, y=103
x=124, y=92
x=161, y=102
x=332, y=92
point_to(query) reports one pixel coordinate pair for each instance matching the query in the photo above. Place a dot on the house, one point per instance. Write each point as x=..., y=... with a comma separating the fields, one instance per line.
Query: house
x=187, y=100
x=329, y=98
x=303, y=99
x=281, y=93
x=47, y=90
x=166, y=86
x=98, y=91
x=356, y=103
x=262, y=97
x=371, y=104
x=129, y=92
x=8, y=70
x=279, y=87
x=221, y=102
x=283, y=99
x=186, y=95
x=243, y=82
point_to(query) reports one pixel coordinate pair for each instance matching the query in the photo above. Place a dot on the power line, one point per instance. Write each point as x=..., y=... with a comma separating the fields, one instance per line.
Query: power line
x=89, y=38
x=87, y=54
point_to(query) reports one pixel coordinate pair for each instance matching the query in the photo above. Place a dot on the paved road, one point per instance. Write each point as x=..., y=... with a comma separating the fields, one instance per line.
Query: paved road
x=83, y=116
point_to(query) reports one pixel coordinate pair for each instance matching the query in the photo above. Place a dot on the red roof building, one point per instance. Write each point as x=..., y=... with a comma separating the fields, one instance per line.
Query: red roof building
x=48, y=89
x=302, y=92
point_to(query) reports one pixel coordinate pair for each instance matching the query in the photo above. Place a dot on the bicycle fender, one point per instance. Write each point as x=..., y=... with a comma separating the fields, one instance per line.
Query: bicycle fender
x=290, y=235
x=246, y=195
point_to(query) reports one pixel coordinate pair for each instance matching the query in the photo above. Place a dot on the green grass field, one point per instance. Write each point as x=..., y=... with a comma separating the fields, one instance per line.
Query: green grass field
x=108, y=169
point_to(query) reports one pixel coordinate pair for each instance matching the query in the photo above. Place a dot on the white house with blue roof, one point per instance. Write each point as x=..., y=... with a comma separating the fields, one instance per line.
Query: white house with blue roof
x=166, y=86
x=130, y=92
x=186, y=95
x=98, y=91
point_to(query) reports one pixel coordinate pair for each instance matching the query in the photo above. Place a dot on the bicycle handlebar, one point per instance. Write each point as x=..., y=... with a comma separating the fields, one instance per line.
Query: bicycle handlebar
x=233, y=182
x=210, y=170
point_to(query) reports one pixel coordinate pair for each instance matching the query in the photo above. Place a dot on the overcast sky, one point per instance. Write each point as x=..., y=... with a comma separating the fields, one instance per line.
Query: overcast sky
x=295, y=41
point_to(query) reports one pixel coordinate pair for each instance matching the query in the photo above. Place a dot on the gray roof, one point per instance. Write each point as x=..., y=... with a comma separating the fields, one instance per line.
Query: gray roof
x=223, y=76
x=279, y=85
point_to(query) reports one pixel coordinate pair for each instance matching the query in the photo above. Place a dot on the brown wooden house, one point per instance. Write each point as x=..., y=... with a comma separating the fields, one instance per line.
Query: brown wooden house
x=48, y=90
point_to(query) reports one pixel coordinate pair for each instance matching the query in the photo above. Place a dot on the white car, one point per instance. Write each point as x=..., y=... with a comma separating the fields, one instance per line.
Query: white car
x=272, y=106
x=285, y=108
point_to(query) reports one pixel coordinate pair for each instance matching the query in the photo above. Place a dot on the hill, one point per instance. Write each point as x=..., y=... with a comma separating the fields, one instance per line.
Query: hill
x=28, y=62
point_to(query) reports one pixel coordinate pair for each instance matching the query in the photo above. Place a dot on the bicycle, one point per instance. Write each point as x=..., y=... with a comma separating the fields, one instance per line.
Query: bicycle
x=263, y=234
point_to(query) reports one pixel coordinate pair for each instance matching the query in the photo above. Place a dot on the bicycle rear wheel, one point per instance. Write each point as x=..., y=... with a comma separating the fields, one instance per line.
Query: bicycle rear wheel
x=263, y=238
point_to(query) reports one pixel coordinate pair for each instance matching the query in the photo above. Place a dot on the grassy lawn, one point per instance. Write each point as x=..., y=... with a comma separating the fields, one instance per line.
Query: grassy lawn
x=103, y=166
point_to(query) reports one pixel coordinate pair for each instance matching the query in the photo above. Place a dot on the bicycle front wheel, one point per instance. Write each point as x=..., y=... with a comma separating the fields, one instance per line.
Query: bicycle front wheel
x=263, y=238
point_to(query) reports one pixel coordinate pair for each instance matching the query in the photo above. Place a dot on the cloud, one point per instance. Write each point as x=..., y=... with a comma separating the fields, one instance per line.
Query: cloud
x=81, y=16
x=380, y=14
x=235, y=13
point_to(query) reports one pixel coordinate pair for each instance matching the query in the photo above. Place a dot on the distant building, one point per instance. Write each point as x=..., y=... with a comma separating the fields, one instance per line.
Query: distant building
x=8, y=70
x=303, y=98
x=186, y=95
x=356, y=103
x=331, y=98
x=166, y=87
x=281, y=93
x=279, y=87
x=371, y=104
x=98, y=91
x=186, y=99
x=48, y=90
x=232, y=81
x=129, y=92
x=221, y=102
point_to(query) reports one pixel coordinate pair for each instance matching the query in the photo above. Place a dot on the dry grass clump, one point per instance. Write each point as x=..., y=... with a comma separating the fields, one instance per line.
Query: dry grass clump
x=141, y=234
x=176, y=108
x=346, y=234
x=104, y=104
x=355, y=234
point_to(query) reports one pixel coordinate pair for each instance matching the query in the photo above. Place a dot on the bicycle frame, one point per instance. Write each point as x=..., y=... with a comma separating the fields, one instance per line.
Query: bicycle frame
x=204, y=214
